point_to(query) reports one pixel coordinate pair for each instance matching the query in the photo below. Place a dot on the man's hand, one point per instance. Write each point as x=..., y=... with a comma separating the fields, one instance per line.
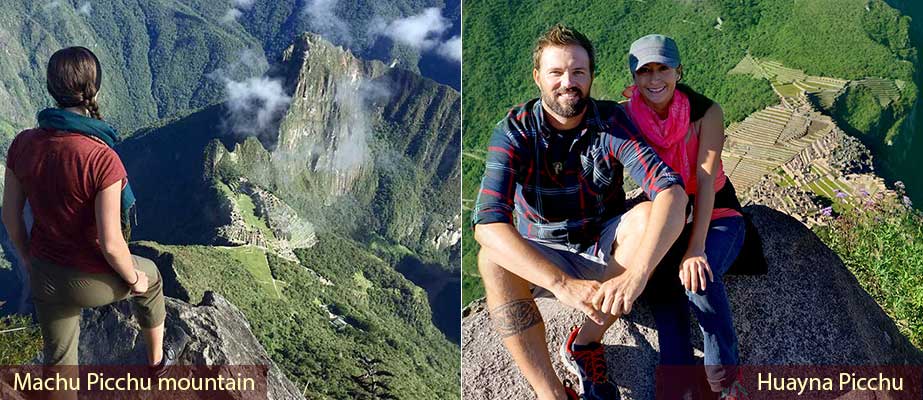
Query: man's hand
x=693, y=270
x=578, y=293
x=616, y=296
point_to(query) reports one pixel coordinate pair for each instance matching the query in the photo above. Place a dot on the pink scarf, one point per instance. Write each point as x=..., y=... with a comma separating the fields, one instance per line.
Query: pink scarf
x=667, y=136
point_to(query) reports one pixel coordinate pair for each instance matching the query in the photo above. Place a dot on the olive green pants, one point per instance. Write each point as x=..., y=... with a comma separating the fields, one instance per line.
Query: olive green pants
x=61, y=293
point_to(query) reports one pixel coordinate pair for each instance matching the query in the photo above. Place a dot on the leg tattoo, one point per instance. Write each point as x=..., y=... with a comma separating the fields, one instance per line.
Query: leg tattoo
x=515, y=317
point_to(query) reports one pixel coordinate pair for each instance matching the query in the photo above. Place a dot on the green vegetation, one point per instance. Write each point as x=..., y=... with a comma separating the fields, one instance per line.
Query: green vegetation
x=243, y=202
x=138, y=43
x=386, y=317
x=248, y=209
x=882, y=244
x=7, y=132
x=20, y=340
x=784, y=180
x=828, y=188
x=472, y=289
x=907, y=163
x=389, y=251
x=859, y=110
x=164, y=67
x=276, y=22
x=372, y=384
x=254, y=260
x=405, y=193
x=830, y=38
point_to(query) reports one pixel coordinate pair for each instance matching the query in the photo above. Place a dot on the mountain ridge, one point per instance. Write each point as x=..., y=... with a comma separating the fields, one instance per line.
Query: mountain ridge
x=320, y=296
x=255, y=198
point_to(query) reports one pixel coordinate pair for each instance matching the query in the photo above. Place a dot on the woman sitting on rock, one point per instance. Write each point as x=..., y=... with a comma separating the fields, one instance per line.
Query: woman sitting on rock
x=687, y=130
x=78, y=190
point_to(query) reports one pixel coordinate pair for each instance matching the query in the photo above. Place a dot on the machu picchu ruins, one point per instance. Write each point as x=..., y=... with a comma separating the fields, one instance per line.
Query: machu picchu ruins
x=792, y=156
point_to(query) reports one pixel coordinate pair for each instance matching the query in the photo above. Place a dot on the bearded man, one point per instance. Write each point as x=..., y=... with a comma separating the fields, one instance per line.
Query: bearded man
x=556, y=163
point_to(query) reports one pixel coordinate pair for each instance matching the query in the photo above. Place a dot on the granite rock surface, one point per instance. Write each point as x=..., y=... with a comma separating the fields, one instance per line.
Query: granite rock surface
x=808, y=309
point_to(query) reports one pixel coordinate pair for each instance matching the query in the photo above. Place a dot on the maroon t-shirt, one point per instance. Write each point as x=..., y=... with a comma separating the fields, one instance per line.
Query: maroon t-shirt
x=61, y=173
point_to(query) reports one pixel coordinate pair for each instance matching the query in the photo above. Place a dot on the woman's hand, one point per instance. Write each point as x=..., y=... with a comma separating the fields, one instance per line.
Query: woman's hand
x=140, y=286
x=693, y=269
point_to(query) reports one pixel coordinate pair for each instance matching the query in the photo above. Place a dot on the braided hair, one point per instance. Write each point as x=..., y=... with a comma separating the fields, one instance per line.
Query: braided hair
x=92, y=107
x=73, y=78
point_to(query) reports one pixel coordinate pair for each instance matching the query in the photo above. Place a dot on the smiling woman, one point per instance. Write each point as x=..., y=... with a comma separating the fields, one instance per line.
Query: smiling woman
x=657, y=81
x=687, y=131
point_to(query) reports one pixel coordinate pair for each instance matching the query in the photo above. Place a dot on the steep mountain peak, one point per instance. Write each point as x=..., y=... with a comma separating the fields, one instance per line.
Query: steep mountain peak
x=357, y=132
x=328, y=122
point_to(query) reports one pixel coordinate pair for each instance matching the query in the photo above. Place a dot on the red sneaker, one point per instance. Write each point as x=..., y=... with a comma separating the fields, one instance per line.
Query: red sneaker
x=569, y=391
x=589, y=364
x=736, y=391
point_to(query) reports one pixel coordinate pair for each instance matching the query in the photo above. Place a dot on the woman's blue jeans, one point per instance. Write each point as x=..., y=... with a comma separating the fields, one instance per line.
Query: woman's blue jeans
x=711, y=307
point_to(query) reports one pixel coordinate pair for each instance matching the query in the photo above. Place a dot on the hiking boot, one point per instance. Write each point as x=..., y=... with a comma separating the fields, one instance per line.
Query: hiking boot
x=589, y=364
x=168, y=359
x=171, y=353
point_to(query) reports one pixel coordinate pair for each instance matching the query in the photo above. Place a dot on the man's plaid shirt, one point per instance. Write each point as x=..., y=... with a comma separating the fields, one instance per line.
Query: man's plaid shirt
x=565, y=185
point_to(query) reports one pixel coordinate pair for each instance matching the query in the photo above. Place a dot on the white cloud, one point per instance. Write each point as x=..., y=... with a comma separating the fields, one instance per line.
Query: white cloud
x=451, y=49
x=255, y=105
x=421, y=31
x=231, y=15
x=353, y=98
x=323, y=20
x=85, y=8
x=250, y=58
x=236, y=10
x=247, y=63
x=243, y=4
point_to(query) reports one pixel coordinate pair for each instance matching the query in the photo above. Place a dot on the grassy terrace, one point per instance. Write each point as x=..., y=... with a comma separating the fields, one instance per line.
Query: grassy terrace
x=825, y=186
x=780, y=73
x=787, y=89
x=784, y=179
x=221, y=269
x=254, y=260
x=247, y=209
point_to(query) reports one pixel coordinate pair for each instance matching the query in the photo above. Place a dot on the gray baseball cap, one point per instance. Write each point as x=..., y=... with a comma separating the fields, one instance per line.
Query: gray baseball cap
x=653, y=48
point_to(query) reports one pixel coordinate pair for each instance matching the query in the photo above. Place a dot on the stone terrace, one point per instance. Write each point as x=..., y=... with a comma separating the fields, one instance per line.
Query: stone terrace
x=767, y=139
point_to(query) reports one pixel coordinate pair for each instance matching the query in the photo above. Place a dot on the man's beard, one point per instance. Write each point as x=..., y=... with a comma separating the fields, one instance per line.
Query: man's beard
x=566, y=110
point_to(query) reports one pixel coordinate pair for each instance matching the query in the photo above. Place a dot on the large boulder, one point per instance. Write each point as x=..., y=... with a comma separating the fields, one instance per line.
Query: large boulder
x=808, y=309
x=214, y=332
